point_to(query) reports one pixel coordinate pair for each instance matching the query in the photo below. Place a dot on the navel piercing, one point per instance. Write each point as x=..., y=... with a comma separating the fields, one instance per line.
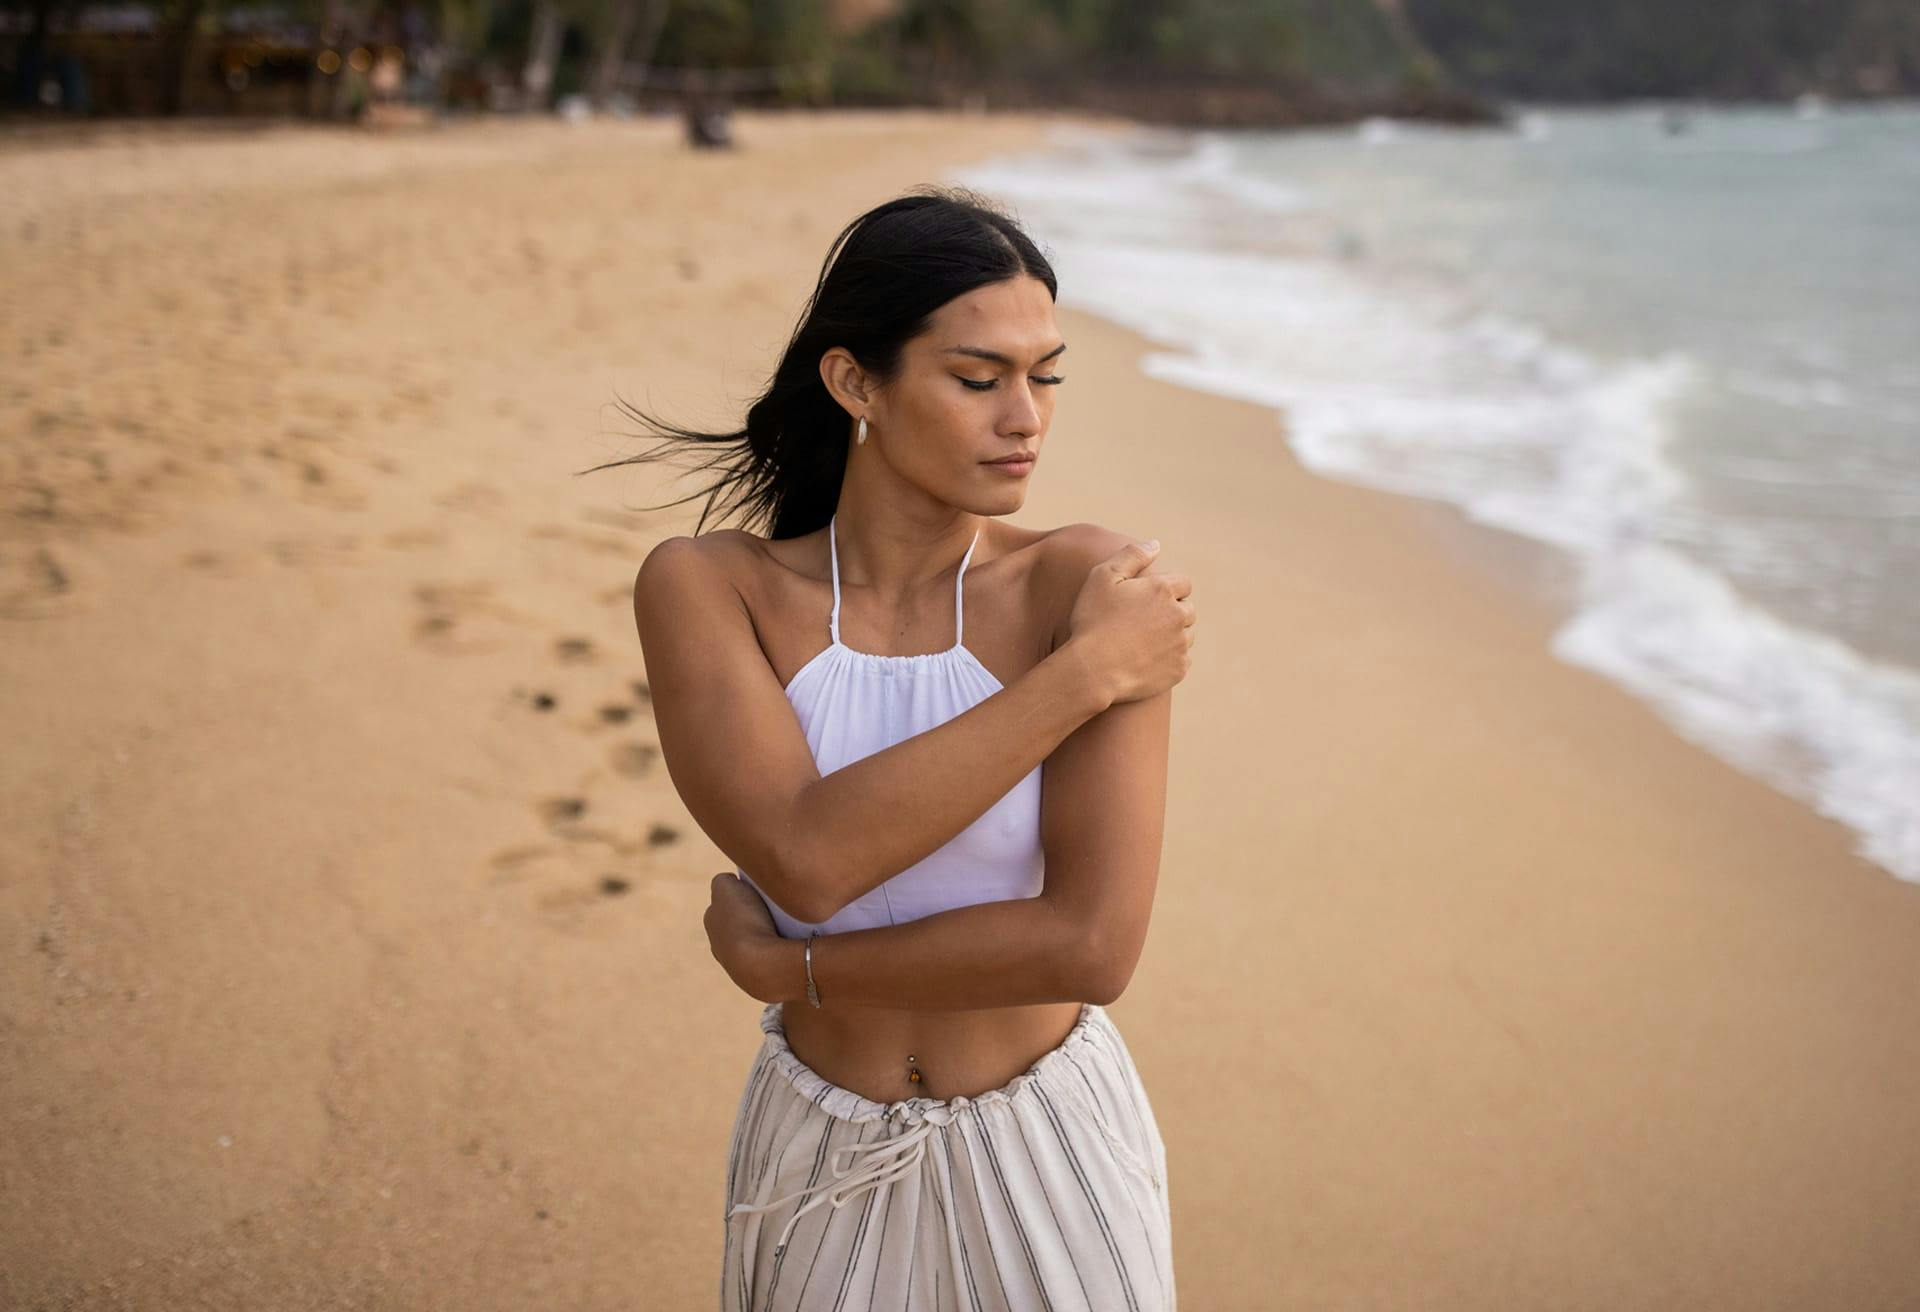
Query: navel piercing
x=913, y=1072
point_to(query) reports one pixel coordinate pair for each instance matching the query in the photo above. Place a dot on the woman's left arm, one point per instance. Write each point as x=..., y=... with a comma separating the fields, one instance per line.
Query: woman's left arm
x=1102, y=818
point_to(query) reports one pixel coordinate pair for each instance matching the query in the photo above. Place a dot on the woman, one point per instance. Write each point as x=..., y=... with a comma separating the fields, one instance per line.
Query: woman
x=947, y=821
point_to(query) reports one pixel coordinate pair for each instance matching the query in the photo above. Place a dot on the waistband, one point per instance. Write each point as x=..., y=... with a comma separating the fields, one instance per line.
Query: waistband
x=846, y=1105
x=883, y=1161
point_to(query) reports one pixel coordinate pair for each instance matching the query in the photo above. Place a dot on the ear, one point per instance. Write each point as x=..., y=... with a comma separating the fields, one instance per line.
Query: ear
x=847, y=381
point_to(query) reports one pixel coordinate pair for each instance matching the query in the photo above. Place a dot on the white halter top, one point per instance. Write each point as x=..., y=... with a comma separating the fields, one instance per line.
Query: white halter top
x=852, y=704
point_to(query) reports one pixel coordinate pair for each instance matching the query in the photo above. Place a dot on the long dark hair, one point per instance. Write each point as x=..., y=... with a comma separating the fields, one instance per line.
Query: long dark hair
x=883, y=278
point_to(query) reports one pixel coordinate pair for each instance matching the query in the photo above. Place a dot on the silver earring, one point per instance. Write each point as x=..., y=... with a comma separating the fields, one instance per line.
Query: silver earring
x=862, y=435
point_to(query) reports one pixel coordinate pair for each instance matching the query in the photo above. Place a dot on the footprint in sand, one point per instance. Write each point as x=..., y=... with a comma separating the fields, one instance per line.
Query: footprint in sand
x=574, y=651
x=410, y=539
x=564, y=881
x=342, y=549
x=513, y=865
x=634, y=760
x=572, y=901
x=332, y=491
x=314, y=477
x=565, y=818
x=620, y=712
x=632, y=521
x=405, y=397
x=566, y=900
x=561, y=810
x=539, y=699
x=33, y=583
x=603, y=544
x=476, y=594
x=454, y=615
x=309, y=433
x=472, y=495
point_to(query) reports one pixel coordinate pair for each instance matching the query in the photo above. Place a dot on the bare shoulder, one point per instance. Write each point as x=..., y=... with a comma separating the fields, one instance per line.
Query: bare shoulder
x=723, y=553
x=689, y=576
x=1067, y=554
x=1079, y=547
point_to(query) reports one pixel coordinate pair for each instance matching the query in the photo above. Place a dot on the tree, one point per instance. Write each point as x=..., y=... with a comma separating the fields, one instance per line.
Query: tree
x=632, y=30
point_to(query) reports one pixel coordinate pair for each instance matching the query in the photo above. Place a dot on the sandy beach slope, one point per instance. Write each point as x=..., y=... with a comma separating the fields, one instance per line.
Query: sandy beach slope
x=354, y=950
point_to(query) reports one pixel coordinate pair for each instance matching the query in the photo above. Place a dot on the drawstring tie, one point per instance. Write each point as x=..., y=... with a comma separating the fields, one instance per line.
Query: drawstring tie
x=886, y=1160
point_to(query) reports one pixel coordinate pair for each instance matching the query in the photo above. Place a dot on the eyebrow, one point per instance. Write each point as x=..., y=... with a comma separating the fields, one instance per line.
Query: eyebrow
x=995, y=356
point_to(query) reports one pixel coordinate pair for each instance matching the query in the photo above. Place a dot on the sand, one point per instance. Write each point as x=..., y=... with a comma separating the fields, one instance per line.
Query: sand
x=355, y=955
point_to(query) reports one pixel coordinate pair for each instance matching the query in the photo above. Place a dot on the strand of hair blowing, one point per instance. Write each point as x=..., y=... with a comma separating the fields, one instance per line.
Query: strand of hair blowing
x=883, y=277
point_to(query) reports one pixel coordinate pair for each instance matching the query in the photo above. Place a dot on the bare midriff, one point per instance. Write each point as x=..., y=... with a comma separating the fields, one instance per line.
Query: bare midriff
x=874, y=1050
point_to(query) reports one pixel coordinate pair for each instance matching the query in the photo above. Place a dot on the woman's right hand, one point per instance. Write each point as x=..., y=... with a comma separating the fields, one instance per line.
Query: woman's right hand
x=1134, y=629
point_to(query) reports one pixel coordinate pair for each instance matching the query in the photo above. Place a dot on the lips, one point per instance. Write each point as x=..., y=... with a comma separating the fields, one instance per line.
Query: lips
x=1024, y=459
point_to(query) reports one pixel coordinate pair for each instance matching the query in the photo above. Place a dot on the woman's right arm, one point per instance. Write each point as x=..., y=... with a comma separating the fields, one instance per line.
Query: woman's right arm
x=736, y=754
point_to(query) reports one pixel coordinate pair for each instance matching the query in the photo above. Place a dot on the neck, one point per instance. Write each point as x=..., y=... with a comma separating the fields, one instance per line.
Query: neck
x=899, y=558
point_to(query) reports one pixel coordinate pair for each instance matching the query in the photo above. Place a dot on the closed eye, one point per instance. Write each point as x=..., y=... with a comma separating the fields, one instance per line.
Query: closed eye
x=1051, y=380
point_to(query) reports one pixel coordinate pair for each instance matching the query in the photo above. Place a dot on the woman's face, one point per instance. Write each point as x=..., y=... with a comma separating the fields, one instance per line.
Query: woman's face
x=976, y=387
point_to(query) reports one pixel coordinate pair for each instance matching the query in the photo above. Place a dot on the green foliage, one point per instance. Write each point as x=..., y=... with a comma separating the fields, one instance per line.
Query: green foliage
x=790, y=37
x=864, y=72
x=1219, y=36
x=1583, y=49
x=706, y=34
x=1187, y=38
x=1548, y=49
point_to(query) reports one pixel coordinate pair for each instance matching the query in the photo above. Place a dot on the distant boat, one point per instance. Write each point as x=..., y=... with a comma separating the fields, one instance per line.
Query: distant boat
x=1810, y=104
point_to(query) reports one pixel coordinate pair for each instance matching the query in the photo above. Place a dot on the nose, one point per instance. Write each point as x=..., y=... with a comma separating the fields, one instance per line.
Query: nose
x=1025, y=412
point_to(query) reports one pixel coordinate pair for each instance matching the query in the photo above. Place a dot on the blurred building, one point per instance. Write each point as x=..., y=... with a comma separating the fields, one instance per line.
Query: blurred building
x=261, y=59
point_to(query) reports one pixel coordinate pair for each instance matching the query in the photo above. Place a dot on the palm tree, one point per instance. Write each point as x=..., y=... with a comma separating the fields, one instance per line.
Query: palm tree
x=632, y=27
x=1420, y=58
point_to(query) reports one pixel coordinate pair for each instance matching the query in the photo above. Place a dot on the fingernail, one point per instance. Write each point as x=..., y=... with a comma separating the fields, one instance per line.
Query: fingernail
x=1151, y=544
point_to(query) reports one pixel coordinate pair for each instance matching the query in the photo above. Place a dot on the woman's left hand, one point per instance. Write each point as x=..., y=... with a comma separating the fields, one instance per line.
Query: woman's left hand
x=742, y=936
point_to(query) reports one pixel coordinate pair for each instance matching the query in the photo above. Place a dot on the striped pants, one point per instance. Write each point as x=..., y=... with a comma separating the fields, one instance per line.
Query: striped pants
x=1047, y=1193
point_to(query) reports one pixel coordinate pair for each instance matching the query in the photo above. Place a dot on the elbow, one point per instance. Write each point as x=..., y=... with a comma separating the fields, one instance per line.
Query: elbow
x=812, y=911
x=804, y=894
x=807, y=891
x=1104, y=990
x=1105, y=971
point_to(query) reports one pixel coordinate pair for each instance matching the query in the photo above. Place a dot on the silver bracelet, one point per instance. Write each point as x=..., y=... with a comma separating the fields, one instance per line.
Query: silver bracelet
x=813, y=994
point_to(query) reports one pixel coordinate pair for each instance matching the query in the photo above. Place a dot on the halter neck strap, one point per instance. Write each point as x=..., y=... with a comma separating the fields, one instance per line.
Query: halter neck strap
x=959, y=580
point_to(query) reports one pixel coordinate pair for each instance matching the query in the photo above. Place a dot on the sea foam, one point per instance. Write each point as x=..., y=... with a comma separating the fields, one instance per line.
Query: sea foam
x=1398, y=381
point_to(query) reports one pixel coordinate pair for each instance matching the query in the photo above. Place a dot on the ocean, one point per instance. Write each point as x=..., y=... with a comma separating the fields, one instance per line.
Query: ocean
x=1680, y=346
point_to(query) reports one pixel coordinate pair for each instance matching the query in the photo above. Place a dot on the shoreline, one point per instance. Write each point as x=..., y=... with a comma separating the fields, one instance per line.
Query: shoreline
x=1807, y=708
x=1484, y=928
x=1469, y=982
